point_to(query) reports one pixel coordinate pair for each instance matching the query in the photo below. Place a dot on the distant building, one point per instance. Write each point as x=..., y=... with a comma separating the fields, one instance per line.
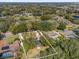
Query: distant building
x=53, y=34
x=27, y=14
x=70, y=34
x=70, y=25
x=8, y=33
x=76, y=31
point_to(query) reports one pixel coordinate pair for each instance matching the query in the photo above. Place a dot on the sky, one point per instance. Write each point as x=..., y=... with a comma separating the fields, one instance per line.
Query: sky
x=39, y=0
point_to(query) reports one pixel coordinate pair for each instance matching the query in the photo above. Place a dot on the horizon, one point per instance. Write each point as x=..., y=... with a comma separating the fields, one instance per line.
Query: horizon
x=26, y=1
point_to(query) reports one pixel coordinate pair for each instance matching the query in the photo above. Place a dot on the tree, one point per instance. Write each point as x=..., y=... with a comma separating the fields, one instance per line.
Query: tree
x=29, y=26
x=62, y=26
x=44, y=26
x=68, y=17
x=45, y=17
x=3, y=27
x=17, y=28
x=5, y=13
x=23, y=18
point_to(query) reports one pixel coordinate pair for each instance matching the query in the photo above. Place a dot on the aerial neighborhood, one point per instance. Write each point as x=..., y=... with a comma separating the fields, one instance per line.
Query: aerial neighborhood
x=39, y=30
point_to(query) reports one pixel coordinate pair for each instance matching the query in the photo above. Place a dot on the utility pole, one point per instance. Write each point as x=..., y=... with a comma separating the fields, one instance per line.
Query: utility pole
x=38, y=43
x=48, y=43
x=21, y=39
